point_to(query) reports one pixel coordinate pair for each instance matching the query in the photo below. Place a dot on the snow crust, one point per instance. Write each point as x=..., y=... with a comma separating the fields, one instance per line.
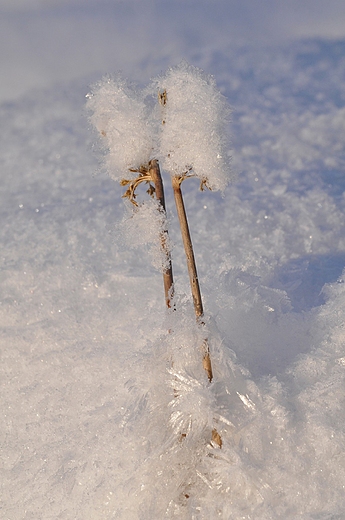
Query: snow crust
x=99, y=382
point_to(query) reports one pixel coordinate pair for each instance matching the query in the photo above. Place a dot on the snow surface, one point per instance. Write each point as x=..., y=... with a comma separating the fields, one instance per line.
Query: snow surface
x=95, y=390
x=47, y=41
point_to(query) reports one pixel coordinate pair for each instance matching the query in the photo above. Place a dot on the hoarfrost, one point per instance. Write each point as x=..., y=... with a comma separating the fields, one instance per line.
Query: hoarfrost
x=144, y=227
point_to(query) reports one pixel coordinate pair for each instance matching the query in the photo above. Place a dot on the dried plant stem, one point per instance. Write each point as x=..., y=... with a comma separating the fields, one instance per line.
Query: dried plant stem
x=192, y=271
x=155, y=174
x=194, y=282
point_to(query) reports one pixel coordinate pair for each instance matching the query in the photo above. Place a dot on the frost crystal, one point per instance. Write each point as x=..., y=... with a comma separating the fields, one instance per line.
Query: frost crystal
x=144, y=228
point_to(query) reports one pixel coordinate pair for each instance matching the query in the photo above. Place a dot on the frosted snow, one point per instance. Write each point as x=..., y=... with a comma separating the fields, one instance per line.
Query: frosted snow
x=98, y=381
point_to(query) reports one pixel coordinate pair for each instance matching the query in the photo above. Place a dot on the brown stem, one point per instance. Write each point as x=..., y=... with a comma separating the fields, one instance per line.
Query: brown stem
x=168, y=281
x=188, y=247
x=193, y=275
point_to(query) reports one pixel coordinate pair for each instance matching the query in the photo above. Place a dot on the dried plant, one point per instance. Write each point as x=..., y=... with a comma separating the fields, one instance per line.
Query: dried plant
x=188, y=140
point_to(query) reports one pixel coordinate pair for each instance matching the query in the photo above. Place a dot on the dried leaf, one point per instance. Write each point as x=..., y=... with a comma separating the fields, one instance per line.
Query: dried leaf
x=216, y=438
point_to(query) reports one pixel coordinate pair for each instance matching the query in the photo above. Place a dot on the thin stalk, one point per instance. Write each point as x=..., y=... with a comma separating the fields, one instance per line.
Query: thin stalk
x=155, y=174
x=192, y=271
x=194, y=283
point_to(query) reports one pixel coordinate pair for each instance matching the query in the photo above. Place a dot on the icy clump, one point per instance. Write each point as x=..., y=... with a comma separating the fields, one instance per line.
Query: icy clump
x=195, y=118
x=119, y=114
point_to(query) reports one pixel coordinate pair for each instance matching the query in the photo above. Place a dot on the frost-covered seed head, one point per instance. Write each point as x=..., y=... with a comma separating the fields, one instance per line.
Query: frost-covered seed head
x=194, y=137
x=120, y=115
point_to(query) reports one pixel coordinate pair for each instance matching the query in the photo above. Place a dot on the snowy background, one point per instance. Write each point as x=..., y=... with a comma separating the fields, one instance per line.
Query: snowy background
x=85, y=398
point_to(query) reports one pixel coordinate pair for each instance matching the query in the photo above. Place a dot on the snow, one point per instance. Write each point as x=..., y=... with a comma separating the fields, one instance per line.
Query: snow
x=99, y=381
